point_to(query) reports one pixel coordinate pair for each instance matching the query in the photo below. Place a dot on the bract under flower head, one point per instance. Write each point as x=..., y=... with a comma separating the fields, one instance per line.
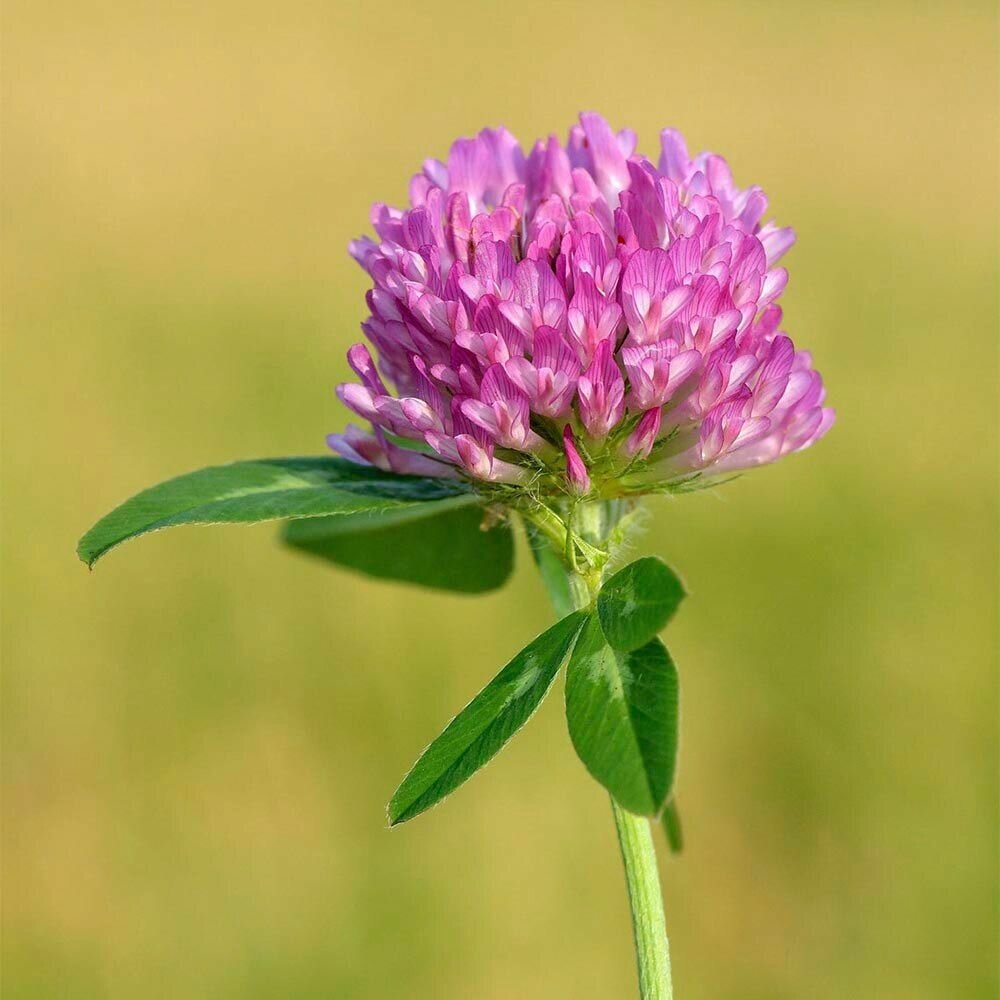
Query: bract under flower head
x=577, y=320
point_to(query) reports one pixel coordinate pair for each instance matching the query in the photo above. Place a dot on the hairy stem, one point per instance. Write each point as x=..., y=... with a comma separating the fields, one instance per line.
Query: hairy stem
x=652, y=953
x=634, y=834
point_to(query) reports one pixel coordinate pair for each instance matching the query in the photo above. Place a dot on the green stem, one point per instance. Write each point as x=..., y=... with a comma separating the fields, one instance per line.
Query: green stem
x=652, y=953
x=635, y=837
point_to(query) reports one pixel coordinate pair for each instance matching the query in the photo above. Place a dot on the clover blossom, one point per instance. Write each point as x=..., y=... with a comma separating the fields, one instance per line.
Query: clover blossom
x=556, y=335
x=577, y=319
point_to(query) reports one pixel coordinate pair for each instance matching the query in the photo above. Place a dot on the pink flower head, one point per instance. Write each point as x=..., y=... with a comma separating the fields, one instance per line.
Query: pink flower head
x=525, y=299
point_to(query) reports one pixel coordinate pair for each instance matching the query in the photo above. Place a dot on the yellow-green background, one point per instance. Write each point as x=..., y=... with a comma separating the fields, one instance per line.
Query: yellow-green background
x=201, y=735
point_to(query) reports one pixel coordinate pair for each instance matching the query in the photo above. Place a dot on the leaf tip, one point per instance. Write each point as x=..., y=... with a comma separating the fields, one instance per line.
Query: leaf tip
x=394, y=813
x=395, y=818
x=85, y=555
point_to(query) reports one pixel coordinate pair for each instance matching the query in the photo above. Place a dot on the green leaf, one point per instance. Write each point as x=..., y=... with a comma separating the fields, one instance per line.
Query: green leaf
x=263, y=490
x=671, y=820
x=431, y=544
x=638, y=601
x=475, y=735
x=622, y=710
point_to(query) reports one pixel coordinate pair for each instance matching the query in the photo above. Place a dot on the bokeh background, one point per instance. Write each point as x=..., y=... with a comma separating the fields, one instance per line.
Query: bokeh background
x=200, y=736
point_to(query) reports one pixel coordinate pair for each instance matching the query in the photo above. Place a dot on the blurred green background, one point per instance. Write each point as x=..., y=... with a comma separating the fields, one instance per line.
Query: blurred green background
x=201, y=736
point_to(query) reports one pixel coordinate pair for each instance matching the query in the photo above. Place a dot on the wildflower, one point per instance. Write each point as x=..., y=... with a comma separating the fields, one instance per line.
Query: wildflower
x=528, y=310
x=562, y=331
